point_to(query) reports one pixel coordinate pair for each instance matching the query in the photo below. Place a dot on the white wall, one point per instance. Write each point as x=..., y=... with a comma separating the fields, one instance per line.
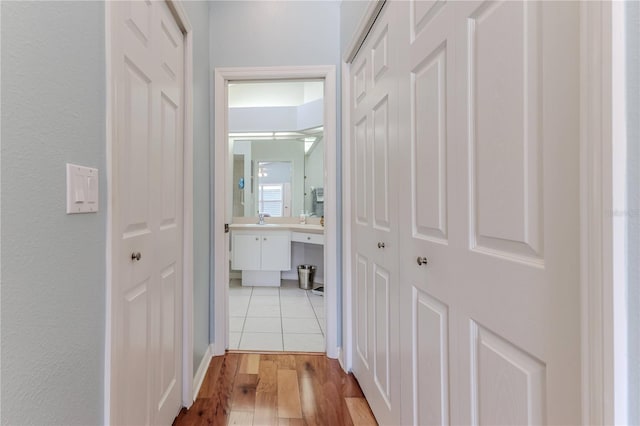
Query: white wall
x=276, y=119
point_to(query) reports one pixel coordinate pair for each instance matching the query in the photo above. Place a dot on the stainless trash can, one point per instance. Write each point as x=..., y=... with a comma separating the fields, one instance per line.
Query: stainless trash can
x=306, y=273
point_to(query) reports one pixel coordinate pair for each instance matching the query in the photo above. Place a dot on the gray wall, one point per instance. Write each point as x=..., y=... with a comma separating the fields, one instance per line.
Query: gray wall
x=632, y=11
x=273, y=33
x=53, y=265
x=351, y=11
x=279, y=33
x=198, y=12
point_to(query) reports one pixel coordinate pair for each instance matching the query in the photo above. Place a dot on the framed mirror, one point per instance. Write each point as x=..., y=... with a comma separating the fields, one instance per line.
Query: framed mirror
x=276, y=148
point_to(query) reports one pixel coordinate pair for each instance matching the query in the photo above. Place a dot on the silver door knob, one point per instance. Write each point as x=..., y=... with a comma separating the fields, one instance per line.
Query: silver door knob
x=422, y=261
x=136, y=256
x=381, y=244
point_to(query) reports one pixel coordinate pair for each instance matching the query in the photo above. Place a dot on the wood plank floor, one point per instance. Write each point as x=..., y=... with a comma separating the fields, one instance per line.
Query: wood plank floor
x=275, y=390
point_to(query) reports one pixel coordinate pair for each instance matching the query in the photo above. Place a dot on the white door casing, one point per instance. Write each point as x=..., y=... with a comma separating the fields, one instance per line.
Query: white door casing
x=148, y=66
x=221, y=182
x=487, y=177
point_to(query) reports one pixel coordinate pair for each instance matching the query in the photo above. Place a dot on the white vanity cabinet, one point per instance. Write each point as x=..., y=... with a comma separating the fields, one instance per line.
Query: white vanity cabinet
x=276, y=251
x=246, y=251
x=308, y=238
x=261, y=255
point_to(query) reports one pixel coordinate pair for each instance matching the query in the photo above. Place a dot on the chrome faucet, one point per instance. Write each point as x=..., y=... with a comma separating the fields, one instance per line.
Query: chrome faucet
x=260, y=218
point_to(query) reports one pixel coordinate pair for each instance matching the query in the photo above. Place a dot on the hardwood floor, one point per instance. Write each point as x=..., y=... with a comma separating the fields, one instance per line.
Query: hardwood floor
x=277, y=389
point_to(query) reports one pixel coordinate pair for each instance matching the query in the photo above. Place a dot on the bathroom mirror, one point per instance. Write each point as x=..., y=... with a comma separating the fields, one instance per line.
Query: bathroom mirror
x=276, y=148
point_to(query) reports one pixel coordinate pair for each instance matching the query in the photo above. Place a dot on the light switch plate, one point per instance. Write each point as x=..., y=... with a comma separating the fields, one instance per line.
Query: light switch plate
x=82, y=189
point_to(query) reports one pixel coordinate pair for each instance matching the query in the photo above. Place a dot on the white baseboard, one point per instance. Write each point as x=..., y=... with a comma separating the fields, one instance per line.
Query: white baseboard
x=198, y=379
x=341, y=360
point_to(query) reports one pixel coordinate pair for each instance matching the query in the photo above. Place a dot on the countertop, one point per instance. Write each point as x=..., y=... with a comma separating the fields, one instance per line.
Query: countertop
x=297, y=227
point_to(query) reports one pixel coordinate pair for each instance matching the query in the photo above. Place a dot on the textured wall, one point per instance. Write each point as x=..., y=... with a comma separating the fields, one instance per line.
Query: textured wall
x=198, y=12
x=281, y=33
x=53, y=264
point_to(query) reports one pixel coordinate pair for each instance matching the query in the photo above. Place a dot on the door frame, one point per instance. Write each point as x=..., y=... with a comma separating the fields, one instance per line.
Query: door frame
x=184, y=24
x=596, y=204
x=597, y=186
x=220, y=250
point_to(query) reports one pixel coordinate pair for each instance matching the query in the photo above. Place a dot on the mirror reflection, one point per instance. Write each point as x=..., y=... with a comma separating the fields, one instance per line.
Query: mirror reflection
x=276, y=148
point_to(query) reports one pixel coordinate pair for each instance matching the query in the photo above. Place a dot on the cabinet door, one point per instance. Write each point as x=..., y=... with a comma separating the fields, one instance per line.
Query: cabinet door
x=246, y=252
x=276, y=252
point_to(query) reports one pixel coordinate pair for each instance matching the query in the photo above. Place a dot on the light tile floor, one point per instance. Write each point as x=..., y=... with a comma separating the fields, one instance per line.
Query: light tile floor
x=283, y=318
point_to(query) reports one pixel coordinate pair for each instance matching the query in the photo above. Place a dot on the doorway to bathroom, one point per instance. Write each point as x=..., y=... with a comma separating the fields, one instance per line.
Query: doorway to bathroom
x=275, y=144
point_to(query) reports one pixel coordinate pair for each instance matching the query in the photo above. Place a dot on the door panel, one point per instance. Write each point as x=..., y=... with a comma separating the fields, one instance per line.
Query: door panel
x=362, y=310
x=134, y=151
x=148, y=207
x=375, y=223
x=420, y=13
x=504, y=128
x=168, y=345
x=480, y=216
x=379, y=58
x=429, y=146
x=139, y=16
x=381, y=340
x=380, y=189
x=361, y=172
x=135, y=315
x=169, y=140
x=523, y=239
x=428, y=161
x=169, y=66
x=509, y=383
x=430, y=382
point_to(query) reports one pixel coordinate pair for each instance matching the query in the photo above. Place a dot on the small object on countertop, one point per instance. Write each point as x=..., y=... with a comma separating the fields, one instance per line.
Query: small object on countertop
x=303, y=218
x=322, y=221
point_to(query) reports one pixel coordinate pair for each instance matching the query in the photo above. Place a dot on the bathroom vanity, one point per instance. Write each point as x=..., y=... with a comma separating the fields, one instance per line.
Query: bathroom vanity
x=263, y=252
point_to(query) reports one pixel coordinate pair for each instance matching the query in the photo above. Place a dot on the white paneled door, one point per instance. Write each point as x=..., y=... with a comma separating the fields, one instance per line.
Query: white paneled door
x=147, y=213
x=374, y=130
x=486, y=176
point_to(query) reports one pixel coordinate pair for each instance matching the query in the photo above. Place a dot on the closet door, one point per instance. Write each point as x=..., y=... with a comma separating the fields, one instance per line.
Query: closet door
x=429, y=169
x=518, y=297
x=148, y=64
x=491, y=324
x=374, y=134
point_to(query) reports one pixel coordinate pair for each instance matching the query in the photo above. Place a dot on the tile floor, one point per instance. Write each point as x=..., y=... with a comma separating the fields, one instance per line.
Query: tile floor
x=275, y=319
